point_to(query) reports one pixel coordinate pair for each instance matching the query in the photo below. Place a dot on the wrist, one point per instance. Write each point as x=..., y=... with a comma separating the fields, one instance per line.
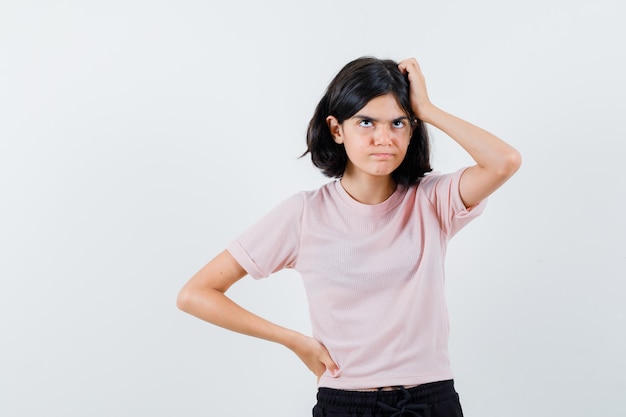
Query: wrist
x=292, y=339
x=428, y=113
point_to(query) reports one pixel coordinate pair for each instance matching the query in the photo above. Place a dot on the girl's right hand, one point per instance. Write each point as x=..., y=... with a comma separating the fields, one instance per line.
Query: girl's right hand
x=418, y=93
x=315, y=356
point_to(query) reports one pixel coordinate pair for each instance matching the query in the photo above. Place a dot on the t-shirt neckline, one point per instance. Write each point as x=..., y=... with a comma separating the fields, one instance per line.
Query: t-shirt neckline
x=370, y=209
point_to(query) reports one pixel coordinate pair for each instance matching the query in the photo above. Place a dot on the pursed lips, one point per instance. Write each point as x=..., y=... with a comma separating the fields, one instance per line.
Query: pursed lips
x=382, y=155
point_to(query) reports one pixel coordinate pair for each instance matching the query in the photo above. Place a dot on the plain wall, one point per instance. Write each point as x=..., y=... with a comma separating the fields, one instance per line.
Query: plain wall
x=138, y=138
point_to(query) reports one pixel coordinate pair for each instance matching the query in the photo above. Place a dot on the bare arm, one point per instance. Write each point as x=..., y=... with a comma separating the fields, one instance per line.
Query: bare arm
x=204, y=296
x=496, y=161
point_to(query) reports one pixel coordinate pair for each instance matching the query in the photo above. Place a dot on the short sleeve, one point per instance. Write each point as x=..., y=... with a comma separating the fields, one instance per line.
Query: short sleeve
x=442, y=190
x=272, y=243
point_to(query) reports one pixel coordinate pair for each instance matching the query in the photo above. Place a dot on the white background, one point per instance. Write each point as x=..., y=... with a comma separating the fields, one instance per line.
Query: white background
x=137, y=138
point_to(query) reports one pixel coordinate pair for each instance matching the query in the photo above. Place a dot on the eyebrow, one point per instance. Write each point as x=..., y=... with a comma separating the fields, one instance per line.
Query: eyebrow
x=373, y=119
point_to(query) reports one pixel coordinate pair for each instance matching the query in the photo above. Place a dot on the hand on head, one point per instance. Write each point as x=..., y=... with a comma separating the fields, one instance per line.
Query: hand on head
x=418, y=92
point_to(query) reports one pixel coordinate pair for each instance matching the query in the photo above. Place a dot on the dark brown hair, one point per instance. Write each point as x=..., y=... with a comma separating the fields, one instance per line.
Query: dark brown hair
x=352, y=88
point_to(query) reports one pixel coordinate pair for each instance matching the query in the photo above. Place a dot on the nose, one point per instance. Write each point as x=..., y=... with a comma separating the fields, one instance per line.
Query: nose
x=383, y=136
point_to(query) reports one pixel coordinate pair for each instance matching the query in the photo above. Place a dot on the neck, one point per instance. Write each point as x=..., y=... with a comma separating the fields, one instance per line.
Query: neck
x=368, y=190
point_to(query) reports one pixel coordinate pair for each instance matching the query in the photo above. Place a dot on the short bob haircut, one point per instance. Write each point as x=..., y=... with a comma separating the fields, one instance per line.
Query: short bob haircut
x=352, y=88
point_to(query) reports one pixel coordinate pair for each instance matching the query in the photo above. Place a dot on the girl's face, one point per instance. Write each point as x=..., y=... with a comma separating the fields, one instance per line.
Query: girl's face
x=376, y=138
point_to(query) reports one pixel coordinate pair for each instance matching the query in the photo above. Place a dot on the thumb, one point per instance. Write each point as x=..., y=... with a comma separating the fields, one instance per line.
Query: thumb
x=331, y=367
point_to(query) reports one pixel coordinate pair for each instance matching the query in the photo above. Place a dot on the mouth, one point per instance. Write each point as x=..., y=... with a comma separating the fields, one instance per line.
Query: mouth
x=382, y=155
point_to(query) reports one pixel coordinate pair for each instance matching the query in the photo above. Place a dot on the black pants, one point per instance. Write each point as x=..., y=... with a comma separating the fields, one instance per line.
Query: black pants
x=435, y=399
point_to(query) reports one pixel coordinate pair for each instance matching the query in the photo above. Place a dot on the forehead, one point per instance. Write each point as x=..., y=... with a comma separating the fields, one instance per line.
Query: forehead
x=384, y=107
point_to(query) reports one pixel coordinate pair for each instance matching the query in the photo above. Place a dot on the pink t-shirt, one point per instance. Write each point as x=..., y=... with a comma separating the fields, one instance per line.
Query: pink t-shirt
x=373, y=275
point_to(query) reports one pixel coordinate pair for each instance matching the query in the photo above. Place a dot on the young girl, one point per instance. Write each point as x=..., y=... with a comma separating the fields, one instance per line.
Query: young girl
x=369, y=246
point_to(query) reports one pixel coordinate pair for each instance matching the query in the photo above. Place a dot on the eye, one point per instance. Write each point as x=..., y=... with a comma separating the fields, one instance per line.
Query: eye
x=398, y=124
x=365, y=123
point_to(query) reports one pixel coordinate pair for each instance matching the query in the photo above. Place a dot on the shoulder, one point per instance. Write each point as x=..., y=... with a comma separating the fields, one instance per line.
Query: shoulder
x=431, y=179
x=438, y=185
x=298, y=202
x=325, y=193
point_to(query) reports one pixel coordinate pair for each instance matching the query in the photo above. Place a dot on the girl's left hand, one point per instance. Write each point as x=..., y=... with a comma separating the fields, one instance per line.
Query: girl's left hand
x=418, y=94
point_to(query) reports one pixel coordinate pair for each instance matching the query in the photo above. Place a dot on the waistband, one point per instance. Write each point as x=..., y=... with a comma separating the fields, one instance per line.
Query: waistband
x=430, y=393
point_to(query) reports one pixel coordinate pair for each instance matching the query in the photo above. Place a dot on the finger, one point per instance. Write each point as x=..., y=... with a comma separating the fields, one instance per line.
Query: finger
x=411, y=66
x=404, y=66
x=333, y=370
x=331, y=366
x=327, y=363
x=406, y=63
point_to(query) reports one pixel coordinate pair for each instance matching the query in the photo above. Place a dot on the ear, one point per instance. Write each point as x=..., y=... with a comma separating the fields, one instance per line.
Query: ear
x=335, y=129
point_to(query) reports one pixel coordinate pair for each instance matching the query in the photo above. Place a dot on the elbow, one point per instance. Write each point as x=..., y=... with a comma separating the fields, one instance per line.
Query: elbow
x=514, y=161
x=194, y=300
x=183, y=300
x=510, y=162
